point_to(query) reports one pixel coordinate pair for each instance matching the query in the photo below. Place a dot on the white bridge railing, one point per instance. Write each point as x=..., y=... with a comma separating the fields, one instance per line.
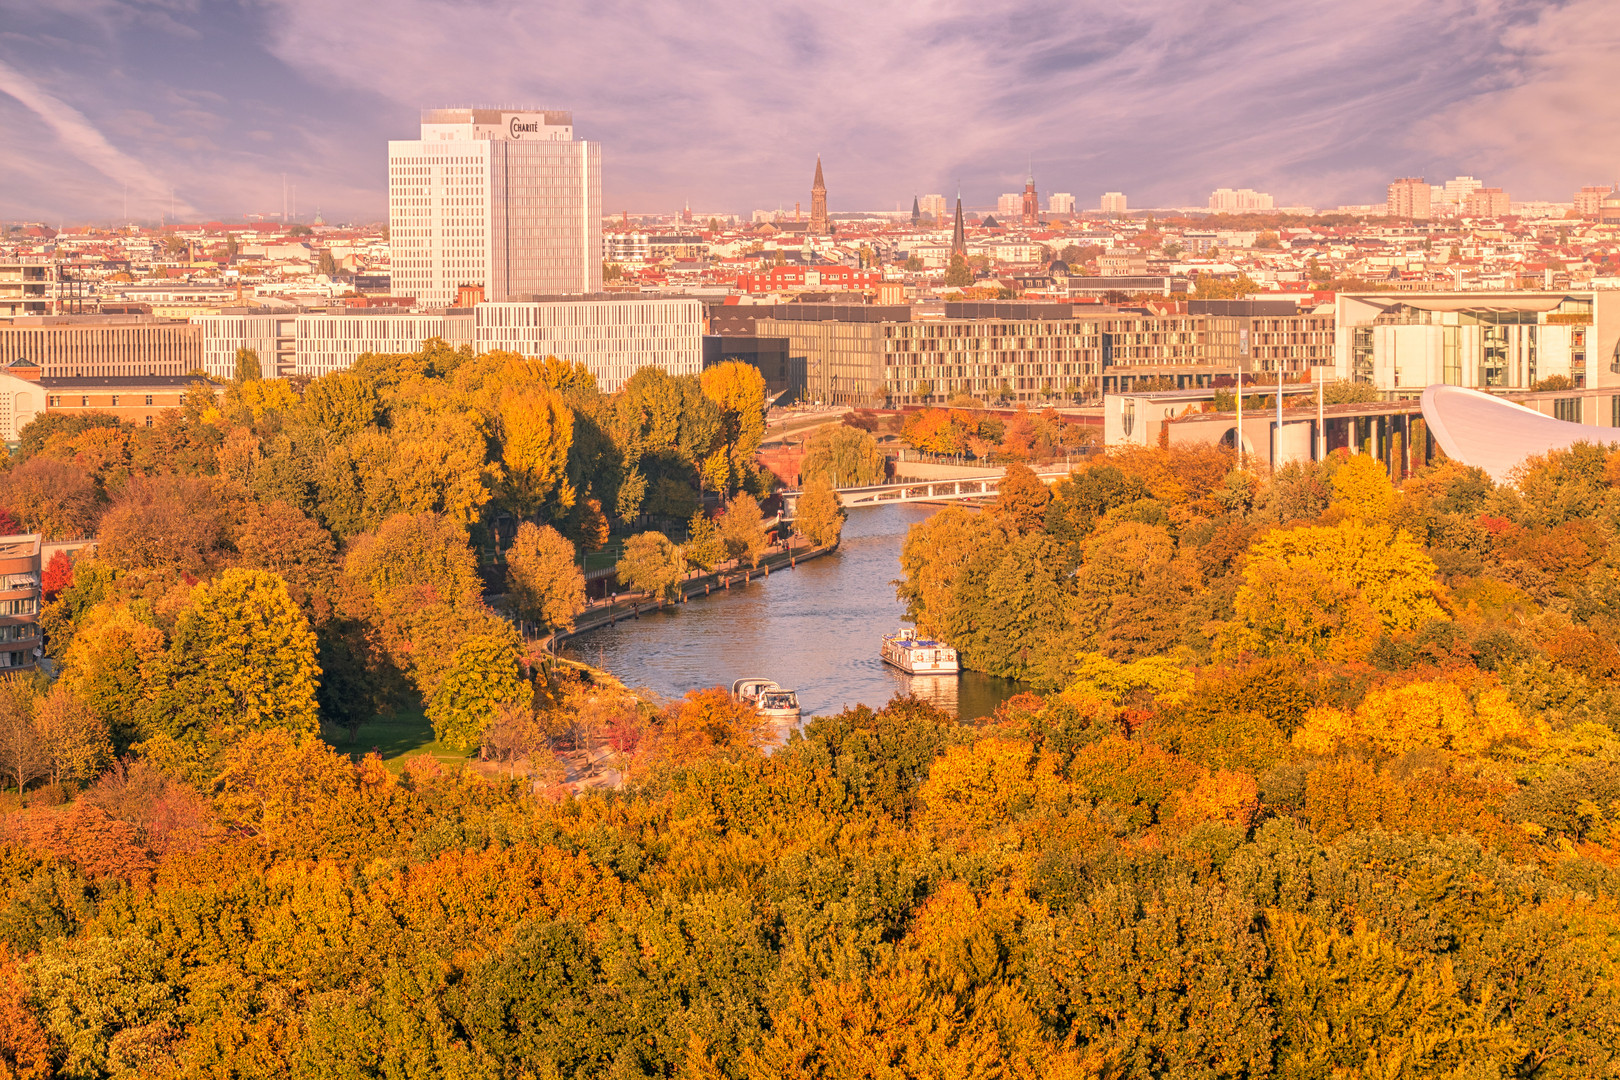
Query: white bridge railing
x=959, y=489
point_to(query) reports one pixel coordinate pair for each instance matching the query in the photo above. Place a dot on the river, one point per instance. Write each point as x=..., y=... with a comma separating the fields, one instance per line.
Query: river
x=815, y=629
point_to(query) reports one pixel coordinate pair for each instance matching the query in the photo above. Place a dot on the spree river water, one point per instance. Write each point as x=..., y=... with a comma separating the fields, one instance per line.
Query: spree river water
x=816, y=629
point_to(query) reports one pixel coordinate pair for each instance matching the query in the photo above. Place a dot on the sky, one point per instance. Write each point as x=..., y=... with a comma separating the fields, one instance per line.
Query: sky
x=111, y=108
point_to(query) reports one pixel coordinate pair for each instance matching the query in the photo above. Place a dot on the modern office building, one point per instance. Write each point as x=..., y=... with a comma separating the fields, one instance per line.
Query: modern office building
x=1030, y=352
x=324, y=343
x=613, y=336
x=1403, y=342
x=102, y=346
x=1409, y=197
x=506, y=200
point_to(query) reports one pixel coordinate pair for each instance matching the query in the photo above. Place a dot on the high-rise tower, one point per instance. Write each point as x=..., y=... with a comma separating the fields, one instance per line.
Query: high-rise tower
x=818, y=203
x=959, y=231
x=508, y=201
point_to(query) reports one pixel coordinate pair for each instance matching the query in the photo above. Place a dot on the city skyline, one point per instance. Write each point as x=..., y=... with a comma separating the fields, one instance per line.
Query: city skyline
x=150, y=105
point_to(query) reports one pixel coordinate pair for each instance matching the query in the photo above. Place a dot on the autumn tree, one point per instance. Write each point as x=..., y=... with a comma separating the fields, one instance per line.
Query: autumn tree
x=74, y=738
x=50, y=497
x=959, y=274
x=543, y=584
x=23, y=756
x=173, y=523
x=704, y=547
x=242, y=659
x=739, y=390
x=537, y=430
x=1021, y=500
x=343, y=403
x=742, y=530
x=483, y=677
x=844, y=456
x=820, y=517
x=651, y=564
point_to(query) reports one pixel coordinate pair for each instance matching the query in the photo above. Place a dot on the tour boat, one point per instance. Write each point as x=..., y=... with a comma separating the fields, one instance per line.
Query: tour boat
x=919, y=656
x=769, y=700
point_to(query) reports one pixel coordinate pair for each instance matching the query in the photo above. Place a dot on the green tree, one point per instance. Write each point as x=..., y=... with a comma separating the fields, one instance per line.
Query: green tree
x=959, y=274
x=248, y=368
x=75, y=739
x=820, y=515
x=543, y=585
x=483, y=676
x=342, y=403
x=651, y=564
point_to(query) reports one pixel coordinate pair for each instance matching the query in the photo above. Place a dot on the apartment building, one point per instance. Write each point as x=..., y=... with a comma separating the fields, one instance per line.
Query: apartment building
x=27, y=287
x=20, y=569
x=1409, y=197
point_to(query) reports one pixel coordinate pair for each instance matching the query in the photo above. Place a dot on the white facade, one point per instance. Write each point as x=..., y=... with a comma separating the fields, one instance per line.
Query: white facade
x=509, y=201
x=20, y=401
x=1060, y=202
x=1241, y=201
x=934, y=205
x=1010, y=206
x=612, y=338
x=1487, y=341
x=328, y=343
x=1113, y=202
x=270, y=336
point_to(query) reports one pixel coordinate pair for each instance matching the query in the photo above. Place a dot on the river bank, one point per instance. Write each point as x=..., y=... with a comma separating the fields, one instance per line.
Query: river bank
x=816, y=629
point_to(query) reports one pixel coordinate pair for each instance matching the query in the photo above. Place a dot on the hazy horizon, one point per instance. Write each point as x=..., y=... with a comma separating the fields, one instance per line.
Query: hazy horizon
x=729, y=106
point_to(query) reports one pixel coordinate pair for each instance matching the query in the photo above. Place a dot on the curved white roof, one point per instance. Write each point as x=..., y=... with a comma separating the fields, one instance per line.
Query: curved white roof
x=1478, y=429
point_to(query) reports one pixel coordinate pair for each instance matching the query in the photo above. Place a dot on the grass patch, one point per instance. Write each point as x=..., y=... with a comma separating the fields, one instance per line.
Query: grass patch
x=399, y=738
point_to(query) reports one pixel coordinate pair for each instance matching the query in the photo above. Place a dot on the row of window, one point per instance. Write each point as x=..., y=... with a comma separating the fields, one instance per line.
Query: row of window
x=84, y=400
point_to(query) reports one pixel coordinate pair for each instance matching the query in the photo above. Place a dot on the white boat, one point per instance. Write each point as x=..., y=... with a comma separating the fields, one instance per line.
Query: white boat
x=919, y=656
x=768, y=699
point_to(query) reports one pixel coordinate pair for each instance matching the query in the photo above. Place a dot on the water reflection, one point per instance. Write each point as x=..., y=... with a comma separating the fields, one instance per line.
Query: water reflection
x=816, y=629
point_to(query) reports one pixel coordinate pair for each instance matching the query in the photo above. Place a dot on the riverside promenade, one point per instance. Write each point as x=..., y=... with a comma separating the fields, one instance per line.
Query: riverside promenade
x=779, y=559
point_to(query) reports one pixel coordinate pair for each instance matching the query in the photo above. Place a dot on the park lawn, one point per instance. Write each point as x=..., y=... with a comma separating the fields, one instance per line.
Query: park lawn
x=399, y=738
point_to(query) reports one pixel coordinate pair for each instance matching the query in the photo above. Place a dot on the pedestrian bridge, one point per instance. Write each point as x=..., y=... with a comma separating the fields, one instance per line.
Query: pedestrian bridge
x=960, y=489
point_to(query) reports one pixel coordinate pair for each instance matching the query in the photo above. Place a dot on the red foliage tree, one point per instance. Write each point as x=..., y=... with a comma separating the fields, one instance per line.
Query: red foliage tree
x=9, y=525
x=58, y=574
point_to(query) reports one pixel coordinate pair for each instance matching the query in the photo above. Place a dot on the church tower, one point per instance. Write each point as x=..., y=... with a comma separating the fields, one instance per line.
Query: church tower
x=916, y=212
x=1032, y=206
x=959, y=233
x=818, y=203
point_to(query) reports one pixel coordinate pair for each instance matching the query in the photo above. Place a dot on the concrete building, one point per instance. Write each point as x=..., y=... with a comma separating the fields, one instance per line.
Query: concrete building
x=612, y=336
x=1589, y=200
x=1409, y=197
x=1113, y=202
x=1496, y=435
x=1241, y=201
x=1402, y=343
x=1453, y=194
x=20, y=568
x=133, y=399
x=933, y=206
x=1060, y=202
x=27, y=287
x=102, y=346
x=1010, y=206
x=272, y=335
x=505, y=200
x=1486, y=202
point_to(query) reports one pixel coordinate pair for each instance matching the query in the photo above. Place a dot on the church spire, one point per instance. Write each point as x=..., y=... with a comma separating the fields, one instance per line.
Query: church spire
x=818, y=203
x=959, y=232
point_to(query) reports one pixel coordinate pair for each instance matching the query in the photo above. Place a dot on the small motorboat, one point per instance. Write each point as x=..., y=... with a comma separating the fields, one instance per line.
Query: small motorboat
x=919, y=656
x=768, y=699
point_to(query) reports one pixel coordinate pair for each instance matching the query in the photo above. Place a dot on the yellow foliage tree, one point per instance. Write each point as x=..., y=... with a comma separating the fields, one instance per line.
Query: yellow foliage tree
x=1322, y=590
x=1361, y=485
x=739, y=390
x=1442, y=715
x=537, y=430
